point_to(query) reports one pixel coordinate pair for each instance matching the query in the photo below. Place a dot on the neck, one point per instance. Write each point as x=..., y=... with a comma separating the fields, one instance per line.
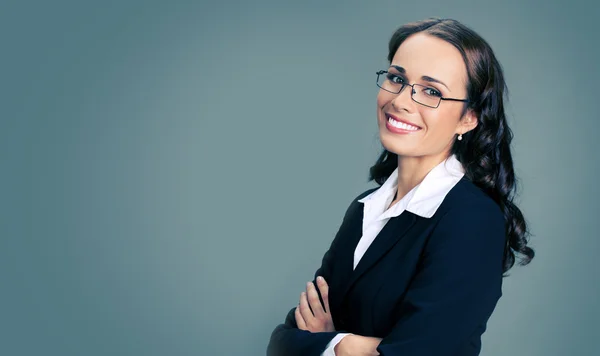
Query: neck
x=412, y=171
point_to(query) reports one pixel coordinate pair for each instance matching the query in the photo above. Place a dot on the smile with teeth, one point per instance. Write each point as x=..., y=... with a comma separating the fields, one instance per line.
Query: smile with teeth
x=402, y=125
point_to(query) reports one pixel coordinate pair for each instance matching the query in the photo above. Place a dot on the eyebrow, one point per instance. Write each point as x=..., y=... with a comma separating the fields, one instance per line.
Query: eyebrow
x=425, y=77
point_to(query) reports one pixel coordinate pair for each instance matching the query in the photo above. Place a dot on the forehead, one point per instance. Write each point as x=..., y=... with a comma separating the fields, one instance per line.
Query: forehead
x=422, y=54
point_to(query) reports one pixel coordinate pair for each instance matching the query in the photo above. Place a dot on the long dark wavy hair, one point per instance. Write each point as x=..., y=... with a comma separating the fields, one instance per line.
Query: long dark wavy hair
x=485, y=150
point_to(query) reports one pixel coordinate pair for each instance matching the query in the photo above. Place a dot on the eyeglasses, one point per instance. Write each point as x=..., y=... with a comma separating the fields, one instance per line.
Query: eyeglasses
x=421, y=94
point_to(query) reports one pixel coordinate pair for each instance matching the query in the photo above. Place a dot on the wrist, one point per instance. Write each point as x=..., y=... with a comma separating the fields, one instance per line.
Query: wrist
x=338, y=349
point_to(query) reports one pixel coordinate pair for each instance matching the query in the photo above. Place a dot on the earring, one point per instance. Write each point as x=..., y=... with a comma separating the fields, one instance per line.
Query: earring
x=460, y=137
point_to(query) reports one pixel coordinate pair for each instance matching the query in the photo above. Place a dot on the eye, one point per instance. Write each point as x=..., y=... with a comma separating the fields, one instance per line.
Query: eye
x=432, y=92
x=395, y=79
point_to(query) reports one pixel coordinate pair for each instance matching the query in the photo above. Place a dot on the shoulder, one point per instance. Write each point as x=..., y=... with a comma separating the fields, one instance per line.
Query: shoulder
x=465, y=196
x=355, y=206
x=470, y=218
x=358, y=197
x=365, y=193
x=467, y=235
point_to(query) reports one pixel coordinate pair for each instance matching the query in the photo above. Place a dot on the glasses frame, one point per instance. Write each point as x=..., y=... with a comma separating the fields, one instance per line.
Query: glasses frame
x=412, y=92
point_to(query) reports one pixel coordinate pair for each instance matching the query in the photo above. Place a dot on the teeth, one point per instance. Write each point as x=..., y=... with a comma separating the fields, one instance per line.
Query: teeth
x=402, y=125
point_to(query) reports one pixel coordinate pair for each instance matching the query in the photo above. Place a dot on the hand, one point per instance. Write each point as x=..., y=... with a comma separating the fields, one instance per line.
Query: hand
x=357, y=345
x=319, y=320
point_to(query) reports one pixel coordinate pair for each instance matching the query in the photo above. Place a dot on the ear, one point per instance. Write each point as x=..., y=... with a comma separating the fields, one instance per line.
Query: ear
x=468, y=123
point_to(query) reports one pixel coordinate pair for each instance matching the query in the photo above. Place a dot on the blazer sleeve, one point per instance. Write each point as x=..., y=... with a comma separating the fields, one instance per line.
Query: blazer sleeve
x=287, y=339
x=456, y=287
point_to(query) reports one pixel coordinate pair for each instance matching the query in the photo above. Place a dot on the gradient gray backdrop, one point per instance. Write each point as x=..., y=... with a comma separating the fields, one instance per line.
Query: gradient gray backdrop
x=172, y=172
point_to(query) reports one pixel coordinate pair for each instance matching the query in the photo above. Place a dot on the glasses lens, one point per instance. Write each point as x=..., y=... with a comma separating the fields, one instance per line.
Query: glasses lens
x=385, y=81
x=426, y=95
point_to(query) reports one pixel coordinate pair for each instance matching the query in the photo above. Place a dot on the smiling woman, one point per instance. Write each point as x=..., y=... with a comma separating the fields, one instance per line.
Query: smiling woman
x=417, y=265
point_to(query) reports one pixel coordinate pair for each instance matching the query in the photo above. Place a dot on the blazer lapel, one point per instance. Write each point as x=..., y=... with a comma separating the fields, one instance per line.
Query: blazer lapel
x=391, y=233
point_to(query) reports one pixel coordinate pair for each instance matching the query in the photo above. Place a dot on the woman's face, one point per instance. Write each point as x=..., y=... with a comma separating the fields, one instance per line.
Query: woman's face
x=421, y=59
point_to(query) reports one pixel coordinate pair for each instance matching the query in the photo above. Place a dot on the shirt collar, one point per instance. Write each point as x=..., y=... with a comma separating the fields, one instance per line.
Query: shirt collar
x=425, y=198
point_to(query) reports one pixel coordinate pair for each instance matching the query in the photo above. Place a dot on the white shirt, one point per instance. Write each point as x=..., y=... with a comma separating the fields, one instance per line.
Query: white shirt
x=423, y=200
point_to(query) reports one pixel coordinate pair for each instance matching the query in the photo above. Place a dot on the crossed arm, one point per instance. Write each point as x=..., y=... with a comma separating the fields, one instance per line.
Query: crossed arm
x=313, y=317
x=454, y=291
x=308, y=328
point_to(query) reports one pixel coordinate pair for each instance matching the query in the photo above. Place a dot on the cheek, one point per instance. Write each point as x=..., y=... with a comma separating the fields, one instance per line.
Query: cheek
x=383, y=98
x=381, y=102
x=440, y=125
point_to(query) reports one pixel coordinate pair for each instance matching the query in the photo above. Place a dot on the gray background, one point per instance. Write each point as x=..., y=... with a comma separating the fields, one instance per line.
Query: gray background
x=172, y=172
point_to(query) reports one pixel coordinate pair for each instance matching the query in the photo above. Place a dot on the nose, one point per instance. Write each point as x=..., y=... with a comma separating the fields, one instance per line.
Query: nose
x=403, y=100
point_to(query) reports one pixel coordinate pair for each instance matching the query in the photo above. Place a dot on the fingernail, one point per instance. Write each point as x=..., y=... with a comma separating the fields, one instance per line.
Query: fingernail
x=320, y=279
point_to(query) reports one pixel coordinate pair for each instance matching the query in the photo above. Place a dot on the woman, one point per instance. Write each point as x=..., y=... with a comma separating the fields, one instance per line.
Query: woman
x=416, y=267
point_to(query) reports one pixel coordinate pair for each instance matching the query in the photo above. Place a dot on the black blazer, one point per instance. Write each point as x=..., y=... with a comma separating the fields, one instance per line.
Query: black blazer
x=427, y=286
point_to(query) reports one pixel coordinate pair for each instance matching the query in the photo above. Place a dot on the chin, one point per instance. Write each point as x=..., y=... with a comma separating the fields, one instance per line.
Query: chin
x=396, y=147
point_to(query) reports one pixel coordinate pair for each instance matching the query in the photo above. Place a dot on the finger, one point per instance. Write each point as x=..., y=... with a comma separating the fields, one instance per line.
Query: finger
x=305, y=309
x=324, y=290
x=313, y=300
x=299, y=319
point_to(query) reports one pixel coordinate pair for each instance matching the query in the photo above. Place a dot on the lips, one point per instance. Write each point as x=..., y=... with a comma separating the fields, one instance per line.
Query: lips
x=387, y=116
